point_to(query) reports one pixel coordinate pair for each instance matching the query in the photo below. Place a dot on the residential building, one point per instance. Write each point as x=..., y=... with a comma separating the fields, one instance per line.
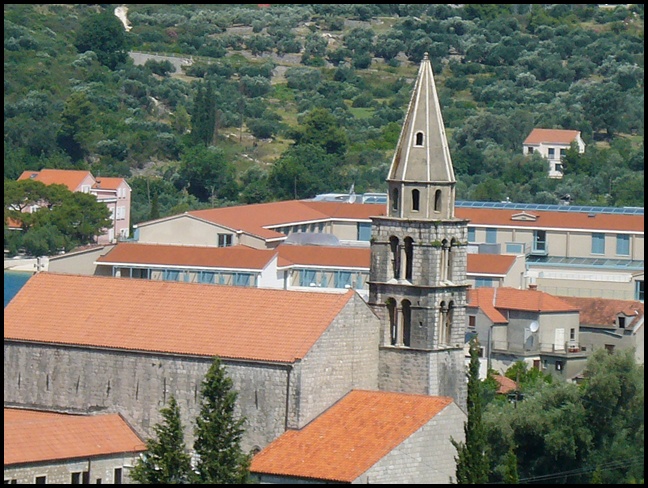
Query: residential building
x=610, y=324
x=115, y=193
x=55, y=448
x=368, y=437
x=527, y=325
x=552, y=144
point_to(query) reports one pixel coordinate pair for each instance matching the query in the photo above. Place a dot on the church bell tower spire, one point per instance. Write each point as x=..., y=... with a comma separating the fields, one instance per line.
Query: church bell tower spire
x=417, y=280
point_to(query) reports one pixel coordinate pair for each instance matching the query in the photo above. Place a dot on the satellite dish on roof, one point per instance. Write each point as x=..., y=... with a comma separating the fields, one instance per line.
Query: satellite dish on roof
x=534, y=326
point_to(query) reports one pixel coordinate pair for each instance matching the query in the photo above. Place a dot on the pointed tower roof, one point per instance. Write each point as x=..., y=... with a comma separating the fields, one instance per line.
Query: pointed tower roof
x=422, y=154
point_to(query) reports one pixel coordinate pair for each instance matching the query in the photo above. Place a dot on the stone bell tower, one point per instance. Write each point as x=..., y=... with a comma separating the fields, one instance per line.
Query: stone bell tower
x=418, y=259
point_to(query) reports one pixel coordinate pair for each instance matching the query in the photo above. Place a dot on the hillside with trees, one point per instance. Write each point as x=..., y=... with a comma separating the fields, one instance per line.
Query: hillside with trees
x=287, y=101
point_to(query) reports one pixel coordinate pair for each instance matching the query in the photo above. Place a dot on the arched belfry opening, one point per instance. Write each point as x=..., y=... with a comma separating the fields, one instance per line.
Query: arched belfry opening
x=406, y=307
x=416, y=200
x=393, y=317
x=437, y=201
x=409, y=257
x=419, y=139
x=394, y=246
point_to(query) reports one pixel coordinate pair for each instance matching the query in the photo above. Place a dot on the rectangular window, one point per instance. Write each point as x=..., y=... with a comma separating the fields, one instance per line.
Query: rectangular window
x=118, y=476
x=171, y=275
x=76, y=478
x=622, y=322
x=483, y=282
x=514, y=248
x=572, y=334
x=471, y=234
x=242, y=279
x=306, y=277
x=364, y=231
x=530, y=150
x=598, y=243
x=491, y=236
x=563, y=153
x=540, y=241
x=639, y=291
x=551, y=152
x=360, y=281
x=559, y=365
x=207, y=277
x=342, y=279
x=623, y=245
x=472, y=321
x=40, y=480
x=224, y=240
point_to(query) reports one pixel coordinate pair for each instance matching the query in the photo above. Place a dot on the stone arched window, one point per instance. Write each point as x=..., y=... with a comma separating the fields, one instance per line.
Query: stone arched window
x=416, y=200
x=419, y=139
x=409, y=257
x=394, y=199
x=406, y=308
x=448, y=323
x=443, y=268
x=448, y=260
x=437, y=201
x=443, y=314
x=393, y=318
x=394, y=246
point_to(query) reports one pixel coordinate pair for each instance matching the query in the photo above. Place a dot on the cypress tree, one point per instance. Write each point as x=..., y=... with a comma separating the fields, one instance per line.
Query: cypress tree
x=166, y=460
x=472, y=460
x=219, y=432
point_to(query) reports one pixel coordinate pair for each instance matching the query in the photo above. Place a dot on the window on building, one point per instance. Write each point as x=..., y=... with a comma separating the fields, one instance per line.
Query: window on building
x=572, y=334
x=540, y=240
x=364, y=231
x=407, y=322
x=563, y=153
x=224, y=240
x=536, y=364
x=409, y=255
x=471, y=234
x=639, y=290
x=419, y=139
x=598, y=243
x=484, y=282
x=207, y=277
x=623, y=245
x=307, y=277
x=437, y=201
x=343, y=279
x=121, y=213
x=609, y=348
x=40, y=480
x=118, y=476
x=559, y=365
x=622, y=321
x=530, y=150
x=491, y=236
x=395, y=254
x=171, y=275
x=76, y=478
x=242, y=279
x=416, y=197
x=514, y=248
x=394, y=199
x=391, y=310
x=551, y=152
x=472, y=321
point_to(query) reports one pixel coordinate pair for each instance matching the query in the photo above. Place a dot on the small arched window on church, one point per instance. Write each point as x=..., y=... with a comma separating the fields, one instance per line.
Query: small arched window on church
x=445, y=246
x=394, y=199
x=409, y=255
x=419, y=139
x=416, y=200
x=443, y=314
x=393, y=331
x=448, y=323
x=448, y=261
x=407, y=322
x=394, y=246
x=437, y=201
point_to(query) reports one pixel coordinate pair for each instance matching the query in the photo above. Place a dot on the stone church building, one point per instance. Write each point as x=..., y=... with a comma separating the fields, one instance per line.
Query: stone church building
x=81, y=344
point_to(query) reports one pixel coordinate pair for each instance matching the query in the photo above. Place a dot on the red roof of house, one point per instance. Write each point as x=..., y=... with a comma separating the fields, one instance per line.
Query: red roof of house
x=235, y=257
x=496, y=264
x=603, y=312
x=31, y=437
x=505, y=384
x=172, y=317
x=68, y=177
x=350, y=437
x=557, y=136
x=108, y=183
x=482, y=298
x=338, y=257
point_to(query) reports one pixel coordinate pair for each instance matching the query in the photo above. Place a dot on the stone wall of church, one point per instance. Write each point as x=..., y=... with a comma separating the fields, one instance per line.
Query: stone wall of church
x=344, y=358
x=137, y=385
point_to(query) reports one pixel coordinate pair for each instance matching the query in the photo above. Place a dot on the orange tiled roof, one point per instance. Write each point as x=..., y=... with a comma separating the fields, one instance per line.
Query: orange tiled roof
x=172, y=317
x=505, y=384
x=107, y=183
x=558, y=136
x=552, y=220
x=603, y=312
x=68, y=177
x=482, y=298
x=350, y=437
x=497, y=264
x=342, y=257
x=237, y=257
x=31, y=437
x=505, y=298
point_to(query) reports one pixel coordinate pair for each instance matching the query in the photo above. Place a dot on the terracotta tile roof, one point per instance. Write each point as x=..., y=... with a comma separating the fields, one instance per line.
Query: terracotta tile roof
x=603, y=312
x=162, y=316
x=558, y=136
x=350, y=437
x=483, y=298
x=505, y=384
x=552, y=220
x=496, y=264
x=235, y=257
x=255, y=219
x=68, y=177
x=31, y=437
x=104, y=182
x=339, y=257
x=505, y=298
